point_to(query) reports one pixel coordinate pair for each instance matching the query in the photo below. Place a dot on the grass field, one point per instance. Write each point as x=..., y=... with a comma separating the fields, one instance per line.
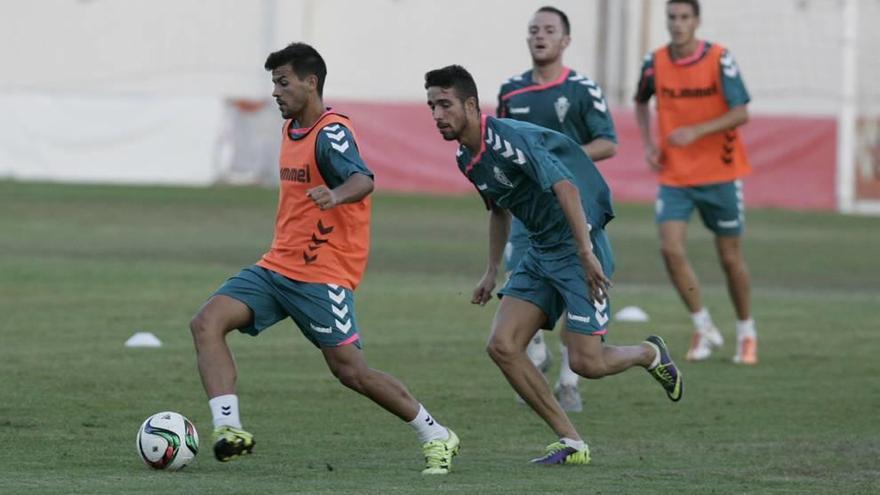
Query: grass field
x=84, y=267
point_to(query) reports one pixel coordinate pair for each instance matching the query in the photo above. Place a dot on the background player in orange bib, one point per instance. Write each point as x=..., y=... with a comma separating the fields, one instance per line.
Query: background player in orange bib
x=701, y=100
x=317, y=259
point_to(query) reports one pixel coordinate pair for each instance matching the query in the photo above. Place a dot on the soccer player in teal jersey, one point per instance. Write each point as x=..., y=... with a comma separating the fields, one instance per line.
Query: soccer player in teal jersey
x=556, y=97
x=546, y=181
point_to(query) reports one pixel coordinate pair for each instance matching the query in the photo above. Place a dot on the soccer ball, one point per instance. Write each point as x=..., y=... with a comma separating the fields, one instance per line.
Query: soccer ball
x=167, y=440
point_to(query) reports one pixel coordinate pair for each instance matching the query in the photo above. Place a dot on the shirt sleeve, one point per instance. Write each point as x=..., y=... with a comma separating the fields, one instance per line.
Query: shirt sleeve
x=338, y=156
x=596, y=115
x=645, y=90
x=731, y=81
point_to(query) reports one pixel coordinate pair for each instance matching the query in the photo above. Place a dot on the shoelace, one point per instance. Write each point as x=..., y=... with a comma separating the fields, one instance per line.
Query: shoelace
x=232, y=437
x=664, y=374
x=435, y=454
x=555, y=447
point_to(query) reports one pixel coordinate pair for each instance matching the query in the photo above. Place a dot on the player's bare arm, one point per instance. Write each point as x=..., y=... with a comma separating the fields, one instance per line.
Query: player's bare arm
x=355, y=188
x=570, y=202
x=499, y=229
x=600, y=149
x=652, y=153
x=686, y=135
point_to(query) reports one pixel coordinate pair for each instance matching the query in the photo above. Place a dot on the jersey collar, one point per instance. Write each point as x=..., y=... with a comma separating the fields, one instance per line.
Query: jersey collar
x=479, y=154
x=539, y=87
x=300, y=132
x=693, y=57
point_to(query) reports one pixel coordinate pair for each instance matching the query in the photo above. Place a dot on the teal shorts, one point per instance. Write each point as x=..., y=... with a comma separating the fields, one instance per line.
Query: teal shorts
x=517, y=245
x=559, y=287
x=324, y=313
x=720, y=206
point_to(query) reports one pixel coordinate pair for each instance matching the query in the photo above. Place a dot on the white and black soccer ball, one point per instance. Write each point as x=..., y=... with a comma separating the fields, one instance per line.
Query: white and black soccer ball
x=167, y=440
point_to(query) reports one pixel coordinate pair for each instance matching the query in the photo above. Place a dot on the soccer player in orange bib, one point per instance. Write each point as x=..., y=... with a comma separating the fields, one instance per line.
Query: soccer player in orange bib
x=701, y=100
x=317, y=259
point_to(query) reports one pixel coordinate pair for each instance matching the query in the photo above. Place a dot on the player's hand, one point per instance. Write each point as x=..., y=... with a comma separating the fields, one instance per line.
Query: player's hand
x=683, y=136
x=483, y=290
x=322, y=196
x=652, y=156
x=597, y=282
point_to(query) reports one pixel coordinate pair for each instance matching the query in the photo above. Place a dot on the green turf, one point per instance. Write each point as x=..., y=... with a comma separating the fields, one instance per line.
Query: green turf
x=84, y=267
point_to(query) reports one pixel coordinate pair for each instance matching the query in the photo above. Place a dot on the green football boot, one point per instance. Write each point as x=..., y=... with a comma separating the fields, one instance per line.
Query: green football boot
x=230, y=443
x=439, y=454
x=561, y=453
x=666, y=372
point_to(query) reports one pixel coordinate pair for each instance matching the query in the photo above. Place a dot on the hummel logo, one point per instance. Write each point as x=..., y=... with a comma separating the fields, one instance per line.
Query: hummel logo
x=226, y=410
x=482, y=187
x=728, y=224
x=582, y=319
x=519, y=110
x=320, y=329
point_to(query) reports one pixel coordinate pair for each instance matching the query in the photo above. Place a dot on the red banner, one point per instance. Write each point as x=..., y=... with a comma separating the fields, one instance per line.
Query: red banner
x=793, y=157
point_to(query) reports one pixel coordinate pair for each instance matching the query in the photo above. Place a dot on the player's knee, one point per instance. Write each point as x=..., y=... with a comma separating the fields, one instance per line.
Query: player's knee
x=201, y=328
x=730, y=261
x=587, y=368
x=209, y=326
x=672, y=252
x=501, y=350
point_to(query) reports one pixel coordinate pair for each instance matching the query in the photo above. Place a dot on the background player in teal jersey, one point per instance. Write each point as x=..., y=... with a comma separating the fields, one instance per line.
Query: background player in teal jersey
x=543, y=178
x=556, y=97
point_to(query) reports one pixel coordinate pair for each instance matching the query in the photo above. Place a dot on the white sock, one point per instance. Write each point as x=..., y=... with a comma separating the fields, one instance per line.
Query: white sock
x=567, y=378
x=537, y=348
x=427, y=428
x=746, y=328
x=224, y=410
x=702, y=320
x=656, y=355
x=580, y=445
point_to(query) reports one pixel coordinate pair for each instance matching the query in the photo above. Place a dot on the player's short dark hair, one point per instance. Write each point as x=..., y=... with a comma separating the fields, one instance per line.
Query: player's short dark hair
x=303, y=59
x=695, y=4
x=455, y=77
x=566, y=26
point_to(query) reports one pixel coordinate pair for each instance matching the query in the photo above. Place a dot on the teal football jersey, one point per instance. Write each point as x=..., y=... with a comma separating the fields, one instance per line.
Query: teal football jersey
x=573, y=105
x=515, y=169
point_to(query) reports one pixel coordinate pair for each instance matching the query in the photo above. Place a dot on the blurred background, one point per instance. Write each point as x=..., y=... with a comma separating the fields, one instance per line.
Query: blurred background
x=173, y=91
